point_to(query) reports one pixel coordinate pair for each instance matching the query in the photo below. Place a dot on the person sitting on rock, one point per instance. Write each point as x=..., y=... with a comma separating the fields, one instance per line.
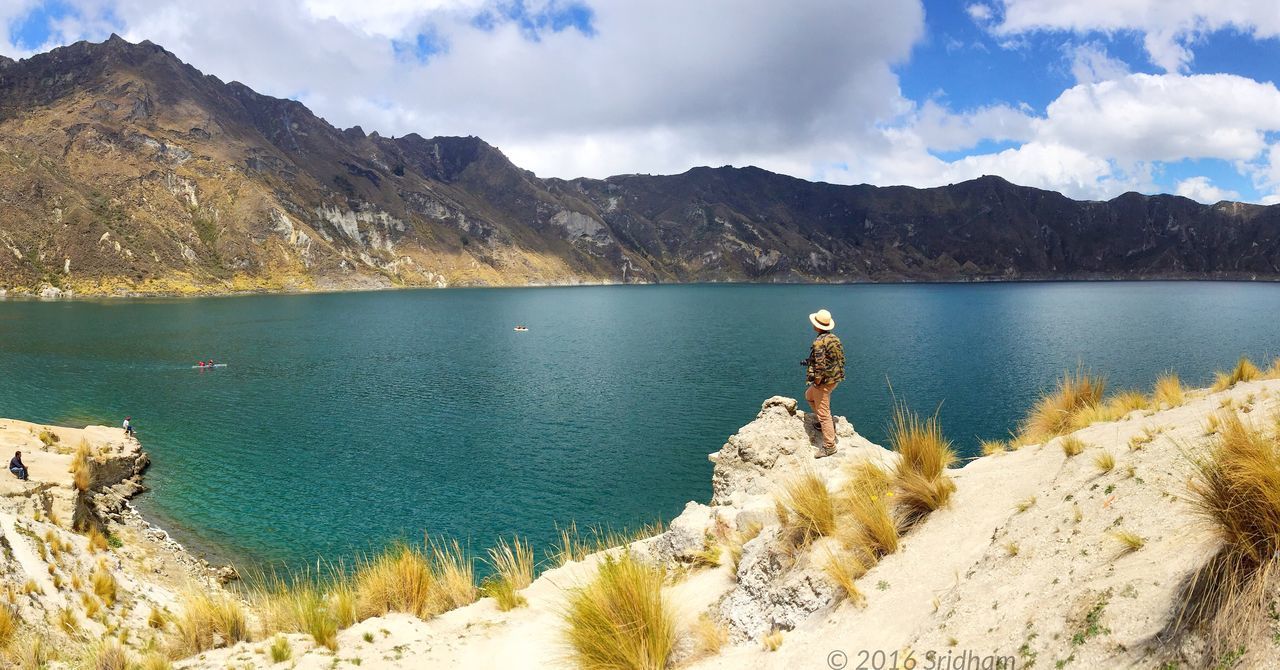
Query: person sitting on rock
x=17, y=467
x=128, y=426
x=824, y=369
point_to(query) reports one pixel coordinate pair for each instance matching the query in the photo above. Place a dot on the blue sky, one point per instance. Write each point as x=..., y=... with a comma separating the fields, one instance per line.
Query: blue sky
x=1091, y=98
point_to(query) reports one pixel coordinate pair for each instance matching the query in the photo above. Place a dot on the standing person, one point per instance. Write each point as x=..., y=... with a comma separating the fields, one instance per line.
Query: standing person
x=824, y=369
x=128, y=427
x=17, y=467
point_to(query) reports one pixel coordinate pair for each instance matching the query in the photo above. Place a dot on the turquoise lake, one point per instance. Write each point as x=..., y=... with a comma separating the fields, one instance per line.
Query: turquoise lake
x=346, y=420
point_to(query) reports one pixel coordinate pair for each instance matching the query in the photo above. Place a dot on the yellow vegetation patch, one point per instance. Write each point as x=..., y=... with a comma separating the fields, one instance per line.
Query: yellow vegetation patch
x=620, y=619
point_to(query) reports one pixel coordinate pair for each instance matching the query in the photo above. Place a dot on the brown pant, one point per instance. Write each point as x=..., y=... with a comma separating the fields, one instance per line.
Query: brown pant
x=819, y=397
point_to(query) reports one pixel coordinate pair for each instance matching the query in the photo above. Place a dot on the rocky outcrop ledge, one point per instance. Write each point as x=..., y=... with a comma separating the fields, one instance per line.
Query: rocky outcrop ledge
x=80, y=561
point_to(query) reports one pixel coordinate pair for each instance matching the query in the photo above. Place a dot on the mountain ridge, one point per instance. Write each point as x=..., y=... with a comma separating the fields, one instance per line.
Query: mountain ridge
x=125, y=171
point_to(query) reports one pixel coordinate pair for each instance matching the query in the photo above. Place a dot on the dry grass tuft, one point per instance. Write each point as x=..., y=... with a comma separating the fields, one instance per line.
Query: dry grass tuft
x=808, y=508
x=1104, y=461
x=866, y=500
x=745, y=534
x=1053, y=414
x=1168, y=391
x=993, y=447
x=422, y=581
x=29, y=653
x=772, y=641
x=1072, y=446
x=920, y=480
x=1235, y=490
x=710, y=635
x=104, y=584
x=620, y=619
x=1244, y=371
x=845, y=569
x=1129, y=541
x=280, y=649
x=8, y=625
x=154, y=661
x=108, y=654
x=97, y=541
x=206, y=621
x=512, y=564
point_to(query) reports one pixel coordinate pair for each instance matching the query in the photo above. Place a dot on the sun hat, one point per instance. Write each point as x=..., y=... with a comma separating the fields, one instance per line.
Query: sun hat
x=822, y=320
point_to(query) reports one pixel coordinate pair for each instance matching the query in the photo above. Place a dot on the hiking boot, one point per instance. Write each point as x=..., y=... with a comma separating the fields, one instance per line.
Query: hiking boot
x=825, y=451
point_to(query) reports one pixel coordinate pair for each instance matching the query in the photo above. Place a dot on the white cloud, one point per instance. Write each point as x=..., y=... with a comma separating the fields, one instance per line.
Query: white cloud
x=1169, y=27
x=1168, y=117
x=1090, y=64
x=1203, y=190
x=942, y=130
x=979, y=11
x=655, y=87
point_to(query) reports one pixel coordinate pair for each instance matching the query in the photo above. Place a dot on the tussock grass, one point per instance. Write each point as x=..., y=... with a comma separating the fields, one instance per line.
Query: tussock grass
x=1235, y=491
x=1129, y=541
x=993, y=447
x=620, y=620
x=866, y=500
x=1112, y=409
x=709, y=555
x=512, y=564
x=710, y=635
x=207, y=620
x=1273, y=370
x=156, y=619
x=1212, y=424
x=1072, y=446
x=1053, y=413
x=920, y=479
x=1104, y=461
x=845, y=568
x=422, y=581
x=48, y=438
x=80, y=459
x=573, y=545
x=1244, y=371
x=155, y=661
x=107, y=654
x=745, y=534
x=807, y=507
x=1026, y=504
x=29, y=652
x=8, y=625
x=1168, y=391
x=104, y=584
x=280, y=650
x=97, y=541
x=772, y=641
x=302, y=604
x=1012, y=549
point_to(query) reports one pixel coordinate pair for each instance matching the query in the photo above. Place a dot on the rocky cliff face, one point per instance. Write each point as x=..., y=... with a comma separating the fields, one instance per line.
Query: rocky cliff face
x=124, y=170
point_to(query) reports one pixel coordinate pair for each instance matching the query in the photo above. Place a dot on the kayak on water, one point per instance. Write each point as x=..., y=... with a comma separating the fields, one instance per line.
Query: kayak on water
x=215, y=365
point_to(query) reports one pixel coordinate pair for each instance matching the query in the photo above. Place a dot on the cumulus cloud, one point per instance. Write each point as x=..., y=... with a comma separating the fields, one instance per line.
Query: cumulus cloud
x=1090, y=63
x=1169, y=27
x=1203, y=190
x=1168, y=117
x=641, y=87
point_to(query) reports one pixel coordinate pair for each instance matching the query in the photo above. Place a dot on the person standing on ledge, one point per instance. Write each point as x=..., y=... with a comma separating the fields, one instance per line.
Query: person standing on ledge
x=17, y=467
x=824, y=369
x=128, y=426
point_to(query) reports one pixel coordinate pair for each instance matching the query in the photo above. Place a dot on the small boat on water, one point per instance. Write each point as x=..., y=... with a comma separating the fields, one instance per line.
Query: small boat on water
x=211, y=365
x=521, y=329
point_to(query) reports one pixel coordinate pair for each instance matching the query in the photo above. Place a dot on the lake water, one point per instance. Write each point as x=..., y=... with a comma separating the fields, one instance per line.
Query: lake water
x=347, y=420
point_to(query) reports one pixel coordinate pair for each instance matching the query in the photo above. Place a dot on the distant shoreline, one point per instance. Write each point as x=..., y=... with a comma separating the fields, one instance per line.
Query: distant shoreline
x=26, y=295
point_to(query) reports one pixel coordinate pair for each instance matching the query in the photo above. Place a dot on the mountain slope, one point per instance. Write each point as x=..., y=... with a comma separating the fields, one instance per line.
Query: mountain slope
x=124, y=170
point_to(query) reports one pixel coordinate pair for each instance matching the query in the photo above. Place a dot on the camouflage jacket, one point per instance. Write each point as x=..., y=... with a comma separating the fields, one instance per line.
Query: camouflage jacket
x=825, y=364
